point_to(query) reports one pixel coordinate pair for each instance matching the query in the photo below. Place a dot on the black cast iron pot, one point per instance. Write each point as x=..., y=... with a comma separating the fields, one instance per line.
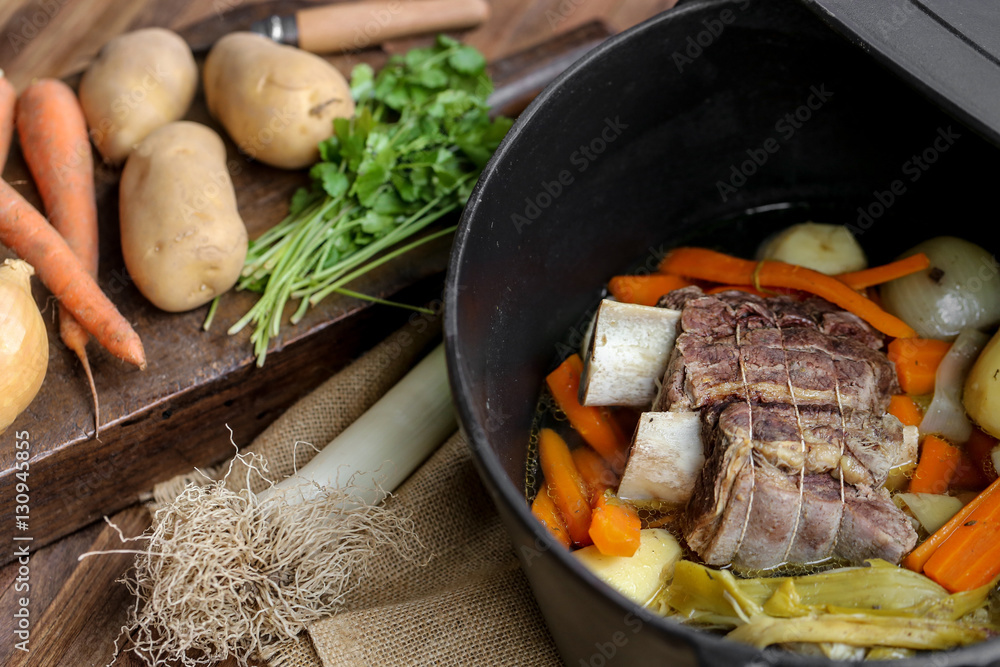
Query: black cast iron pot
x=715, y=123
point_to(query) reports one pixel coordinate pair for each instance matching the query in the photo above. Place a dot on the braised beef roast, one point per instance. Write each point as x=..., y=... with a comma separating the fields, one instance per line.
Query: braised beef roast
x=792, y=397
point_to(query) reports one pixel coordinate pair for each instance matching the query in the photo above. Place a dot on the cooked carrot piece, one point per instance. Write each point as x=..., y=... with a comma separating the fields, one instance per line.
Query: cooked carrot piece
x=906, y=410
x=718, y=267
x=939, y=460
x=882, y=274
x=968, y=553
x=644, y=290
x=594, y=472
x=615, y=527
x=545, y=510
x=917, y=361
x=565, y=485
x=596, y=427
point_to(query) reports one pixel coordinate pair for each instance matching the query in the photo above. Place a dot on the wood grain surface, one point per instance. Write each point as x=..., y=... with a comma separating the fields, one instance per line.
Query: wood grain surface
x=173, y=417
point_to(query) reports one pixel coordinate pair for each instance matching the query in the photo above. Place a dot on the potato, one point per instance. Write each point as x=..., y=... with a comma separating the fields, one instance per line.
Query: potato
x=182, y=237
x=276, y=102
x=982, y=388
x=818, y=246
x=640, y=576
x=139, y=81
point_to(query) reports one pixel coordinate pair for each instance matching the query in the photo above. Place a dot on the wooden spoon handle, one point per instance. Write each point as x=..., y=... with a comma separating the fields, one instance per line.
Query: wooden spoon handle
x=359, y=25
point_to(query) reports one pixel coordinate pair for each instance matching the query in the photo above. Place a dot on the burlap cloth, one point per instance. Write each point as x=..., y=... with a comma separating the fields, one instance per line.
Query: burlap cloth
x=464, y=599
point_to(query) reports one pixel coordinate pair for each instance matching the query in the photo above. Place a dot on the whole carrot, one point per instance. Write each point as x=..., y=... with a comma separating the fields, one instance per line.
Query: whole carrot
x=8, y=97
x=25, y=231
x=53, y=135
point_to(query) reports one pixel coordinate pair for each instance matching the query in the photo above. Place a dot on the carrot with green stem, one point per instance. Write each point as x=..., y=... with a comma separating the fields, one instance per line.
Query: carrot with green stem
x=53, y=134
x=8, y=101
x=25, y=231
x=705, y=264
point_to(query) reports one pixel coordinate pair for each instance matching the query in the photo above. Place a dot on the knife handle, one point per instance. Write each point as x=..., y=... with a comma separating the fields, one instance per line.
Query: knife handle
x=358, y=25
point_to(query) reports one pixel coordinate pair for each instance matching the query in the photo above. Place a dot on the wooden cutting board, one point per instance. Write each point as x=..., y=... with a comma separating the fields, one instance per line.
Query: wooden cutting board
x=177, y=414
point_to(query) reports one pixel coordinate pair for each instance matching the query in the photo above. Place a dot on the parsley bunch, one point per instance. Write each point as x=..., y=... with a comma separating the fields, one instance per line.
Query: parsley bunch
x=411, y=154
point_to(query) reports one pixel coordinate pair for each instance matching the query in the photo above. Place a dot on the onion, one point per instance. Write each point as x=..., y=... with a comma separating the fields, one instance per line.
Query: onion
x=946, y=415
x=961, y=289
x=24, y=345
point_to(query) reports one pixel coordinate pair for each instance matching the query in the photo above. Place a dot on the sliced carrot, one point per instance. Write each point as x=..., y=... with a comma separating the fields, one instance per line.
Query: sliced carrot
x=882, y=274
x=969, y=554
x=645, y=290
x=596, y=474
x=615, y=528
x=565, y=485
x=596, y=427
x=917, y=361
x=939, y=460
x=980, y=446
x=545, y=510
x=8, y=100
x=707, y=264
x=906, y=410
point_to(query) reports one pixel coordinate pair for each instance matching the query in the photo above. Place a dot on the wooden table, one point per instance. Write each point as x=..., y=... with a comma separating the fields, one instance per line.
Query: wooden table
x=76, y=609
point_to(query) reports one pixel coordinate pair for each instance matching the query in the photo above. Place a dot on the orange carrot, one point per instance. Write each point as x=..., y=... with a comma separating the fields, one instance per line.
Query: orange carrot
x=593, y=471
x=598, y=429
x=8, y=99
x=54, y=140
x=917, y=361
x=882, y=274
x=721, y=268
x=545, y=510
x=565, y=485
x=906, y=410
x=615, y=527
x=644, y=290
x=968, y=555
x=25, y=231
x=939, y=460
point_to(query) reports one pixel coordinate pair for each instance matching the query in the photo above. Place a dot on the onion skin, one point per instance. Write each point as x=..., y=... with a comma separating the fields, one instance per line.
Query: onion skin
x=24, y=343
x=960, y=290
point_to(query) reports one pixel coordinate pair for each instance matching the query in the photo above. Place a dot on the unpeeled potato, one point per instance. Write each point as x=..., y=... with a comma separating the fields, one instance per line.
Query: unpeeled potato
x=982, y=389
x=276, y=102
x=182, y=236
x=139, y=81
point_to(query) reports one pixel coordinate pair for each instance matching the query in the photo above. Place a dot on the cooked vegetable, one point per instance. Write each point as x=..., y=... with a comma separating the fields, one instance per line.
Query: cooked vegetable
x=595, y=473
x=882, y=274
x=182, y=237
x=596, y=427
x=27, y=233
x=829, y=249
x=715, y=266
x=628, y=356
x=917, y=361
x=545, y=510
x=981, y=396
x=644, y=290
x=939, y=460
x=53, y=137
x=8, y=99
x=960, y=290
x=24, y=346
x=666, y=457
x=565, y=485
x=640, y=576
x=932, y=510
x=946, y=415
x=982, y=535
x=614, y=526
x=276, y=102
x=139, y=81
x=906, y=410
x=411, y=154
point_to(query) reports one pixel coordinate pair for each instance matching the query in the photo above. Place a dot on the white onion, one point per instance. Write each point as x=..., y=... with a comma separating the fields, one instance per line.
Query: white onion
x=946, y=415
x=960, y=290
